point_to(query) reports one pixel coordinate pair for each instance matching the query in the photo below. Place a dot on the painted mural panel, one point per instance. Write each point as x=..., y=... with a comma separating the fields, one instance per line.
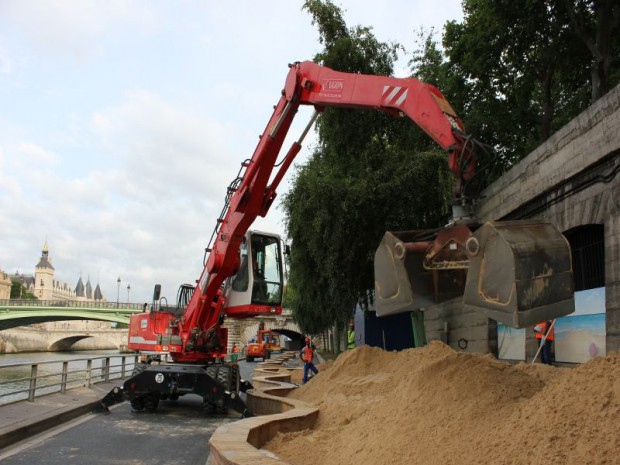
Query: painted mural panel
x=581, y=335
x=578, y=337
x=511, y=342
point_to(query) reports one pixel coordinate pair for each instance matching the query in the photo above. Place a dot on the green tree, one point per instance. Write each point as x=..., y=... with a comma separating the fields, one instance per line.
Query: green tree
x=19, y=291
x=522, y=72
x=597, y=24
x=369, y=173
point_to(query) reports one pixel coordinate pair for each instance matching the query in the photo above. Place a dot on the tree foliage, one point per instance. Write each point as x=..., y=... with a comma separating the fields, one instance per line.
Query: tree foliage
x=597, y=24
x=518, y=70
x=19, y=291
x=523, y=71
x=514, y=70
x=364, y=177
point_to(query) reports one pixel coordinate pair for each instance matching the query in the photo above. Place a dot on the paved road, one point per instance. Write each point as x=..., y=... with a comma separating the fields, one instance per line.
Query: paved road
x=178, y=433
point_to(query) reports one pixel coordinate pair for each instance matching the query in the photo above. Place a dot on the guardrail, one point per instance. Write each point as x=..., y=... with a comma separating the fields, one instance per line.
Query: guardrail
x=70, y=303
x=49, y=377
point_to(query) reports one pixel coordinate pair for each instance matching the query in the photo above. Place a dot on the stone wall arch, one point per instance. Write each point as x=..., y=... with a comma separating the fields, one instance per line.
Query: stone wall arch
x=73, y=343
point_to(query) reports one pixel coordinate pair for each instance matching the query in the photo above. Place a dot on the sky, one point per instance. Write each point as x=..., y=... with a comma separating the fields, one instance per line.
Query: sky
x=122, y=122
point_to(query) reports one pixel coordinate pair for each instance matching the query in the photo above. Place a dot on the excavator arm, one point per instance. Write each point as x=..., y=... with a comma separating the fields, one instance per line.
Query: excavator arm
x=437, y=258
x=308, y=83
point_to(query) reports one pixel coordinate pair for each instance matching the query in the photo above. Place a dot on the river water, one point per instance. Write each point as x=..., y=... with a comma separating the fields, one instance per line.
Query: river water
x=17, y=378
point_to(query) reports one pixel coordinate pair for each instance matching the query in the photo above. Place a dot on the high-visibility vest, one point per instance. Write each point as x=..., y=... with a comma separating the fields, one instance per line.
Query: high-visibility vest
x=307, y=354
x=351, y=339
x=544, y=328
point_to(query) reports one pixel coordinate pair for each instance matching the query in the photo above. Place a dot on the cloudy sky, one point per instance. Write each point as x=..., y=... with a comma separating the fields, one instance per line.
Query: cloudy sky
x=123, y=121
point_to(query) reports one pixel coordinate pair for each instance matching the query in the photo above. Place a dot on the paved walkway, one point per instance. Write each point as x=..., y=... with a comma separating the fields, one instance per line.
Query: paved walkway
x=23, y=419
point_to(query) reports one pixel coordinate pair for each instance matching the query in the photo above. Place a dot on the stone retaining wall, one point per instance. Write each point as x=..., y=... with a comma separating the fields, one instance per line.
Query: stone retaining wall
x=240, y=443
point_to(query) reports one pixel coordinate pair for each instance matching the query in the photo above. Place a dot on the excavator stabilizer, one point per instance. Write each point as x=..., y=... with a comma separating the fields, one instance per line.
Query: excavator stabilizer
x=520, y=273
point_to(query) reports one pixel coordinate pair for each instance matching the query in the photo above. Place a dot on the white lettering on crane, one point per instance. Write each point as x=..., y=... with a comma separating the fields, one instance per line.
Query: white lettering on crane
x=332, y=88
x=333, y=84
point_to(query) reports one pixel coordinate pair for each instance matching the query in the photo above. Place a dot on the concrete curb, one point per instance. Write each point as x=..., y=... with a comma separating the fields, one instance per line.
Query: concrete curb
x=240, y=443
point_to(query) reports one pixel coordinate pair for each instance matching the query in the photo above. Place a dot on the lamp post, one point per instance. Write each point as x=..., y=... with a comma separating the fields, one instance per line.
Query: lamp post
x=118, y=291
x=128, y=289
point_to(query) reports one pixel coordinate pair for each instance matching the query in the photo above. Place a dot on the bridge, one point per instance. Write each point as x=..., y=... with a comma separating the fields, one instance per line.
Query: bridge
x=15, y=312
x=22, y=313
x=16, y=317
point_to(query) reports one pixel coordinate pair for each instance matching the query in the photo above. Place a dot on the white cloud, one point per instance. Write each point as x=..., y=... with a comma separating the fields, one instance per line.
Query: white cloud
x=73, y=26
x=123, y=122
x=165, y=150
x=30, y=152
x=6, y=64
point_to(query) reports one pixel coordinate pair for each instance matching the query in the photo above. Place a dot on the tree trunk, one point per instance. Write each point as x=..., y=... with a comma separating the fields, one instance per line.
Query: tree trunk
x=547, y=104
x=603, y=10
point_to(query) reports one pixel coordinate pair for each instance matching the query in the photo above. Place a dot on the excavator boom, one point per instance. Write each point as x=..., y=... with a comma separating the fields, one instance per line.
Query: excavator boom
x=412, y=270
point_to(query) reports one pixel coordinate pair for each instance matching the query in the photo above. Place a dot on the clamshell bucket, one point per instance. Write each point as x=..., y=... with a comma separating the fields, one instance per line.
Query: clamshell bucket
x=417, y=269
x=520, y=273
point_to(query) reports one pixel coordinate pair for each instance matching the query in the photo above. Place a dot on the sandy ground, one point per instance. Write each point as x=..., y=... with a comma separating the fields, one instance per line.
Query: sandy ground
x=436, y=406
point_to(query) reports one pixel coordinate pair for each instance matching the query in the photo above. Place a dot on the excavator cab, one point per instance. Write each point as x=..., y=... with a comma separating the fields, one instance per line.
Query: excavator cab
x=516, y=272
x=259, y=281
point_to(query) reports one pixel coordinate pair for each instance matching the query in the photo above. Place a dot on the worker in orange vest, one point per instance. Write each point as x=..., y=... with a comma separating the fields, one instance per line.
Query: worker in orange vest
x=234, y=353
x=307, y=356
x=542, y=329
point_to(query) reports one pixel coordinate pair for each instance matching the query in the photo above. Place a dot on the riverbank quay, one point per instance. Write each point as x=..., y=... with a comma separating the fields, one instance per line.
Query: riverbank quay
x=241, y=442
x=22, y=420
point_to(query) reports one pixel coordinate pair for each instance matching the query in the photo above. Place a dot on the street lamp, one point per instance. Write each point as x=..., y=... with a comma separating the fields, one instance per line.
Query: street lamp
x=118, y=291
x=128, y=289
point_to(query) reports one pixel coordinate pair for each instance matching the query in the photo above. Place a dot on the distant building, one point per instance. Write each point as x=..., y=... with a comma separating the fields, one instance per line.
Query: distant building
x=44, y=287
x=5, y=286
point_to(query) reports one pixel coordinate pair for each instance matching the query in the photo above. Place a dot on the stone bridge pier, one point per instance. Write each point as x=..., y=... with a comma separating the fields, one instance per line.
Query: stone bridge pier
x=26, y=339
x=241, y=331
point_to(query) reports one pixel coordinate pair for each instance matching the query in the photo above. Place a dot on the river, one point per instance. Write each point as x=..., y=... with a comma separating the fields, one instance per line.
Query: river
x=17, y=378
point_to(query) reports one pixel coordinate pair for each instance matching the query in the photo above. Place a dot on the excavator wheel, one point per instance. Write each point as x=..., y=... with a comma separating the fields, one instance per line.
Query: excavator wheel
x=151, y=401
x=137, y=403
x=220, y=407
x=208, y=406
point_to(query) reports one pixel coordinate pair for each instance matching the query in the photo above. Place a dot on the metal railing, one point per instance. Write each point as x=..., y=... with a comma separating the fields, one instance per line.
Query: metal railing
x=71, y=303
x=26, y=381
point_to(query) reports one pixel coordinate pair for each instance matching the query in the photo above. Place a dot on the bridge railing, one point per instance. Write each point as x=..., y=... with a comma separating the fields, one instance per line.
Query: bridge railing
x=26, y=381
x=69, y=303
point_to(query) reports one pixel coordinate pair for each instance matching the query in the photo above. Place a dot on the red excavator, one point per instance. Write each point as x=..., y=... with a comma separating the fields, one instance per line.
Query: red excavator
x=518, y=272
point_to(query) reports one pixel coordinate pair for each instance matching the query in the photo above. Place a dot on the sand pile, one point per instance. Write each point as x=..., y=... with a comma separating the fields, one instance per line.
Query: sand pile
x=436, y=406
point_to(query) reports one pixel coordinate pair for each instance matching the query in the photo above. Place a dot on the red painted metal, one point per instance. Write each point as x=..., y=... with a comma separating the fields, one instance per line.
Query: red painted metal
x=307, y=83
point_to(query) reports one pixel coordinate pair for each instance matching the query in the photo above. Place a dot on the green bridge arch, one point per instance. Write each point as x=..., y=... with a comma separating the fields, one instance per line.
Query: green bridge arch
x=13, y=315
